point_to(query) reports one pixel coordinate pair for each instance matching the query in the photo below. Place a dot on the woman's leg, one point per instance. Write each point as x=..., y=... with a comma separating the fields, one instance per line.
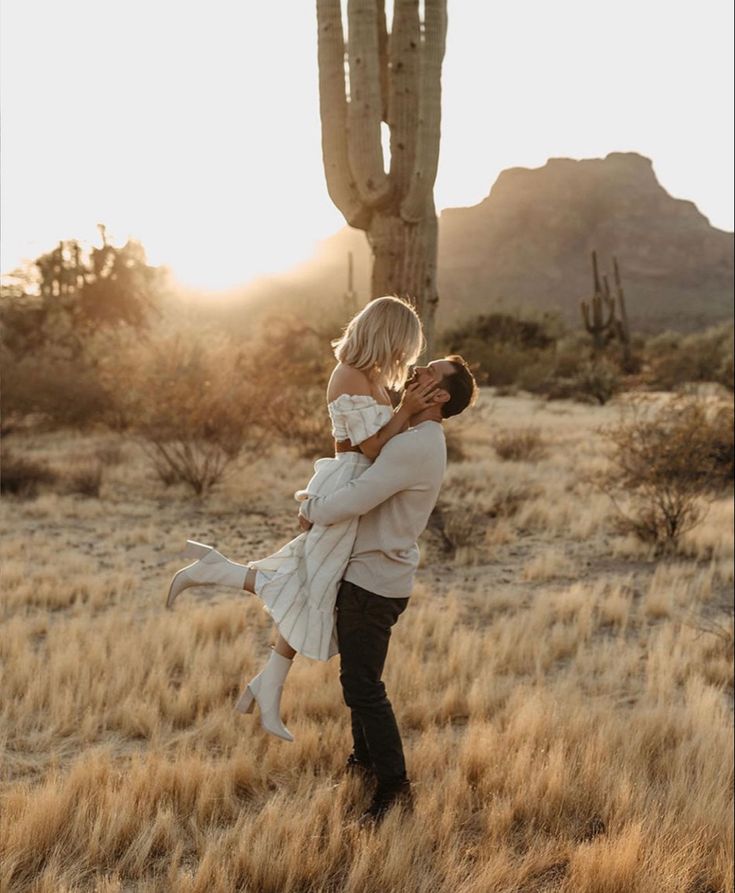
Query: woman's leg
x=283, y=648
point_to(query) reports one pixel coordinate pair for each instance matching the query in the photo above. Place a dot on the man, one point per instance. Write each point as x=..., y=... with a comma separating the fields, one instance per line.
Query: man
x=394, y=499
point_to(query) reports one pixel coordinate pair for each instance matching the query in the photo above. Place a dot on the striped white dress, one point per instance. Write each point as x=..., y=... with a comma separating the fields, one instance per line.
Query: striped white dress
x=298, y=584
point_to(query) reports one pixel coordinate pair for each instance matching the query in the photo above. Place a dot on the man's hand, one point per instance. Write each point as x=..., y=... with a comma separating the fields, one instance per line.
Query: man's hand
x=304, y=524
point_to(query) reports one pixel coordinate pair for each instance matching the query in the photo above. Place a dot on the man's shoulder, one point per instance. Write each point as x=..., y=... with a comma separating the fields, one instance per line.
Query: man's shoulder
x=426, y=439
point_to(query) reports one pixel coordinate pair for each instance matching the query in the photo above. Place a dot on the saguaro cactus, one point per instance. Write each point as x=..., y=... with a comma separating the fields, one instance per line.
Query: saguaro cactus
x=622, y=326
x=393, y=78
x=599, y=314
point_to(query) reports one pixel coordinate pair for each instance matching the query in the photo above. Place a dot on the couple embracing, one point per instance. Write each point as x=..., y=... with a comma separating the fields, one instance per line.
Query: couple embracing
x=342, y=583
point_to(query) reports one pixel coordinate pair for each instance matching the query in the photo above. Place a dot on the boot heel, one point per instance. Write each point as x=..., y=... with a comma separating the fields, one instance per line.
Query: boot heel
x=196, y=550
x=246, y=701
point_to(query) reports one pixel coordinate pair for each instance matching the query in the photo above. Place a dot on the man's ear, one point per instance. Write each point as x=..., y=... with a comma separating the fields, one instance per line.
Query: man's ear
x=441, y=396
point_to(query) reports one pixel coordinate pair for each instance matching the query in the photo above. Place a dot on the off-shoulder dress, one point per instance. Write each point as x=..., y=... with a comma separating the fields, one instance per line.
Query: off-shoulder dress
x=298, y=584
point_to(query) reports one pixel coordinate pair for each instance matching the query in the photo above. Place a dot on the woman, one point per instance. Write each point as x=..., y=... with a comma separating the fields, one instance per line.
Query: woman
x=298, y=584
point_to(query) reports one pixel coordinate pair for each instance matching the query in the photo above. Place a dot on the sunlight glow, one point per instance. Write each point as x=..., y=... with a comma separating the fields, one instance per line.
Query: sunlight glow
x=196, y=129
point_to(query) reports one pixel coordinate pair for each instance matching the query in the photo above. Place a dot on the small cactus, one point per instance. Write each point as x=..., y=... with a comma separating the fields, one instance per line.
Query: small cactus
x=599, y=313
x=622, y=326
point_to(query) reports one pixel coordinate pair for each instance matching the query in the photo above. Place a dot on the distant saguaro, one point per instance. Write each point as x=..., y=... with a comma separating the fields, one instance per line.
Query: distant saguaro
x=599, y=314
x=393, y=78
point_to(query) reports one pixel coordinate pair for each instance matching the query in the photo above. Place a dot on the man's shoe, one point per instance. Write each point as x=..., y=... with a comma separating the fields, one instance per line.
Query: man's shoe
x=383, y=799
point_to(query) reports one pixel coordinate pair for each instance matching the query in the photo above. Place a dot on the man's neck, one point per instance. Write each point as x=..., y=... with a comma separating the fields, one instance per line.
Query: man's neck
x=432, y=414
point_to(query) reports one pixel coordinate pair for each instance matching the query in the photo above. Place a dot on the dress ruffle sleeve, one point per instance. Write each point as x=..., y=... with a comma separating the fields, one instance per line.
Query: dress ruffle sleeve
x=357, y=417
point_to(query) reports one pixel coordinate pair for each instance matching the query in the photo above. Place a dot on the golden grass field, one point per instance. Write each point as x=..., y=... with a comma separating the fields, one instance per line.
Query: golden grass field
x=565, y=698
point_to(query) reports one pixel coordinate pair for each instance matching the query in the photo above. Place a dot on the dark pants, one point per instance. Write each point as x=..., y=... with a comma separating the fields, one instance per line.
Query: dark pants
x=364, y=621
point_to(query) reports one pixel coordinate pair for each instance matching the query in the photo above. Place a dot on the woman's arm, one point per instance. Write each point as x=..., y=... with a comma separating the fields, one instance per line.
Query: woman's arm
x=346, y=380
x=412, y=402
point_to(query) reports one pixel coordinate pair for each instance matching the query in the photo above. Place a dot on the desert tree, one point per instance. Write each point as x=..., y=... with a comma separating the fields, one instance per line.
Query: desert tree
x=378, y=77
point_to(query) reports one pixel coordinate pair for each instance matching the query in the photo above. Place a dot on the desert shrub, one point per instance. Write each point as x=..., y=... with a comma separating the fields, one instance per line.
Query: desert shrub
x=455, y=447
x=668, y=462
x=21, y=475
x=109, y=454
x=721, y=451
x=599, y=380
x=503, y=347
x=520, y=445
x=294, y=361
x=595, y=382
x=675, y=359
x=190, y=398
x=84, y=477
x=572, y=352
x=64, y=392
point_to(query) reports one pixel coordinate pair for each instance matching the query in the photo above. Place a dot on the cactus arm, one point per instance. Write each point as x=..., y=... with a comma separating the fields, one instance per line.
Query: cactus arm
x=621, y=301
x=383, y=44
x=426, y=161
x=333, y=111
x=595, y=273
x=610, y=305
x=584, y=306
x=365, y=108
x=405, y=50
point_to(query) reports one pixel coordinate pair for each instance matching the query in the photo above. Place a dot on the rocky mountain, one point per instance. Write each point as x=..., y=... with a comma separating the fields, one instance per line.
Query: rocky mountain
x=527, y=247
x=529, y=242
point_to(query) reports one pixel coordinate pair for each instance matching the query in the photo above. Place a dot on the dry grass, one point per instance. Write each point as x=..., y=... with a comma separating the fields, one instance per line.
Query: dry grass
x=565, y=700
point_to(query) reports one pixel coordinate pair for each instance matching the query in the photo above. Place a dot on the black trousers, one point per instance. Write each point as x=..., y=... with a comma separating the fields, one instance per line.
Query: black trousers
x=364, y=622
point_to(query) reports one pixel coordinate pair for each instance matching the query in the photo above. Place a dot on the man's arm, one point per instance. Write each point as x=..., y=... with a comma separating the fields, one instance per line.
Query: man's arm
x=398, y=467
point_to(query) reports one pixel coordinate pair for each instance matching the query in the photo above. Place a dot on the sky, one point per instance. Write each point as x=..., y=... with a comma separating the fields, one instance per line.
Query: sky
x=194, y=127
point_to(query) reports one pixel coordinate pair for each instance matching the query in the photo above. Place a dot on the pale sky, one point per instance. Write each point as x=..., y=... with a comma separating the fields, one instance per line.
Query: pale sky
x=194, y=126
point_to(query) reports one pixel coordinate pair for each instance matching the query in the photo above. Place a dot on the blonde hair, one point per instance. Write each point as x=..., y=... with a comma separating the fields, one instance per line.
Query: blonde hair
x=385, y=338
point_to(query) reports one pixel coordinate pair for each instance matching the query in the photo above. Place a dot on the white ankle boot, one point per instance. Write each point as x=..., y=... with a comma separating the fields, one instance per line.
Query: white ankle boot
x=212, y=569
x=266, y=689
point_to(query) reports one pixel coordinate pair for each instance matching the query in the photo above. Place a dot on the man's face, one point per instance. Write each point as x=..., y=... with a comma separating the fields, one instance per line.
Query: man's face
x=436, y=371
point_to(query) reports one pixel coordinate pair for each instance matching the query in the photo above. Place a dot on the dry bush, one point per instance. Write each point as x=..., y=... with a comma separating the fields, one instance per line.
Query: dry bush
x=63, y=391
x=84, y=477
x=520, y=445
x=22, y=476
x=594, y=382
x=191, y=399
x=668, y=462
x=455, y=448
x=294, y=361
x=675, y=359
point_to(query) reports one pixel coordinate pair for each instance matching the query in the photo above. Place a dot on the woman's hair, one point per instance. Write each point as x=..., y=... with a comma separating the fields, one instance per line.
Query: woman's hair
x=385, y=337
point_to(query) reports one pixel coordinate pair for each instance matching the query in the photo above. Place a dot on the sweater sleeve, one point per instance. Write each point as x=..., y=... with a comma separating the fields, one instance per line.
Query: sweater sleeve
x=399, y=466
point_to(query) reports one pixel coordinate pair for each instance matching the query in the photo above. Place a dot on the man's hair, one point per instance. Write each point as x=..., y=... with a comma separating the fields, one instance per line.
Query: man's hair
x=461, y=386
